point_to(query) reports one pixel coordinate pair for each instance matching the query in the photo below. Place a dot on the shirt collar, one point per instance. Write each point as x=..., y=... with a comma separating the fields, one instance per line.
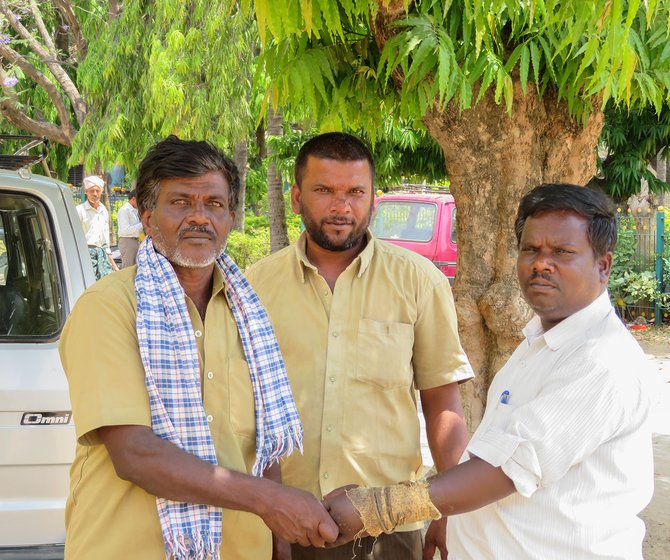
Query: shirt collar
x=362, y=260
x=87, y=206
x=572, y=326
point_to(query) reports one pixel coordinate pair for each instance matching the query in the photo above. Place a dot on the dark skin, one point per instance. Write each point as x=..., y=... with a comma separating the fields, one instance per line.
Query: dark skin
x=193, y=221
x=559, y=274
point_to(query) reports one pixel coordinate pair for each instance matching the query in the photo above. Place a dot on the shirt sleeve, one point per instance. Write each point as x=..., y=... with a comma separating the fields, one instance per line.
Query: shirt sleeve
x=438, y=358
x=125, y=220
x=100, y=355
x=538, y=442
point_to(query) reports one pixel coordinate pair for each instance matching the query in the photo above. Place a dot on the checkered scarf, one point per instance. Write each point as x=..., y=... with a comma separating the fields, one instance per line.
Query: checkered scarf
x=170, y=358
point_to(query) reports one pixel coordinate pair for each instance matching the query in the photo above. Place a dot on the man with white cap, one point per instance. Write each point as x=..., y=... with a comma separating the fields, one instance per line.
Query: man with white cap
x=94, y=220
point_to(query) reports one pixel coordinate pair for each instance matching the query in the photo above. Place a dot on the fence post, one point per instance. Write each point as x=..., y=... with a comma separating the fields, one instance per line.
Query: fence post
x=660, y=238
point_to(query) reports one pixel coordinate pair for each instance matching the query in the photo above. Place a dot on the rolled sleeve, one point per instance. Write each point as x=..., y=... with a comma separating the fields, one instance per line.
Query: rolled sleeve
x=514, y=455
x=100, y=356
x=438, y=357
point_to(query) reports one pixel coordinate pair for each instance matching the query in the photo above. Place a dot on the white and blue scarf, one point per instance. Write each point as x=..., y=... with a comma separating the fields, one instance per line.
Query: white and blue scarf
x=170, y=357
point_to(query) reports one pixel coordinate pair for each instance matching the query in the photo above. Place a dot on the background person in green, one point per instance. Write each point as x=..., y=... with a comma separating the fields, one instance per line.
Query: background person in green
x=167, y=423
x=361, y=325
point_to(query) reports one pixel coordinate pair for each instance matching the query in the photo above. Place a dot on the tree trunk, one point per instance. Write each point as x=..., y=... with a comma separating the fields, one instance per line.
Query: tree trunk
x=276, y=208
x=493, y=160
x=241, y=158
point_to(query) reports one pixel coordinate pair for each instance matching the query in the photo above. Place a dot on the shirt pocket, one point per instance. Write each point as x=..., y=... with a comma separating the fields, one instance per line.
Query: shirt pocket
x=385, y=354
x=241, y=396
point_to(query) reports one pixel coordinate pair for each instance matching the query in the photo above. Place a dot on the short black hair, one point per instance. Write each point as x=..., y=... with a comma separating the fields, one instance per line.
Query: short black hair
x=132, y=194
x=173, y=157
x=589, y=203
x=337, y=146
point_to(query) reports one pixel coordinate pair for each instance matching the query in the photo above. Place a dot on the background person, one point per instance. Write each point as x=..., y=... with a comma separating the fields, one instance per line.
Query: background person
x=361, y=324
x=194, y=394
x=130, y=228
x=561, y=464
x=94, y=220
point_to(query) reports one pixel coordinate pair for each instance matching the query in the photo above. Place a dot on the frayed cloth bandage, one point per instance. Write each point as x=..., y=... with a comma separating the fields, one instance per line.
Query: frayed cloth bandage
x=385, y=508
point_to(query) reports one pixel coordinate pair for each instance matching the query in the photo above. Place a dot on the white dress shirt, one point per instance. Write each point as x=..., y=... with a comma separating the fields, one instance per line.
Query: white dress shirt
x=567, y=421
x=95, y=222
x=128, y=221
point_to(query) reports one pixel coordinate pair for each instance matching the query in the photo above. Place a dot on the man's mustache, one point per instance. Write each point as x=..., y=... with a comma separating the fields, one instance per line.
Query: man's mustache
x=196, y=229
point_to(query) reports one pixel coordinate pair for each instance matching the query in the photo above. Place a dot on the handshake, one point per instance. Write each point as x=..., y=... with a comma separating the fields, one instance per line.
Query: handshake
x=352, y=511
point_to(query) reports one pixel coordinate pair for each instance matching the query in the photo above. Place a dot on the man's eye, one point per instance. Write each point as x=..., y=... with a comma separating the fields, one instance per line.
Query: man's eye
x=216, y=203
x=179, y=201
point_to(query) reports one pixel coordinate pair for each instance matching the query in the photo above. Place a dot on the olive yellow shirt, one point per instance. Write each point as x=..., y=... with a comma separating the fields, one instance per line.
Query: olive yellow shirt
x=107, y=517
x=355, y=357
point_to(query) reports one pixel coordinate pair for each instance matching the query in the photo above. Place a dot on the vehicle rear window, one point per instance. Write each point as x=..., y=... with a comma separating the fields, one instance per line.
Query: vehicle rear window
x=31, y=303
x=404, y=220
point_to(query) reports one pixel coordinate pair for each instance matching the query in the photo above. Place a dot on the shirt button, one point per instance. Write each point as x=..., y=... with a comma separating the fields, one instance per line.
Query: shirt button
x=210, y=375
x=325, y=475
x=329, y=428
x=198, y=334
x=332, y=380
x=326, y=293
x=522, y=363
x=335, y=334
x=210, y=418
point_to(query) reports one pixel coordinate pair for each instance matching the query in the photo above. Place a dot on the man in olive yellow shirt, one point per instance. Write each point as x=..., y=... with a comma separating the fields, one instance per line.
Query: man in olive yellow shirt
x=362, y=325
x=167, y=418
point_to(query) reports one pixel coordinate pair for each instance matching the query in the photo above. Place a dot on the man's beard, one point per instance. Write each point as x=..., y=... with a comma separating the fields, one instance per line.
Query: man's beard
x=322, y=239
x=176, y=255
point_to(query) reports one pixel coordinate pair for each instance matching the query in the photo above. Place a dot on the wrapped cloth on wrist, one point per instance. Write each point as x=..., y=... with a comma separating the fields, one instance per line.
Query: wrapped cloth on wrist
x=385, y=508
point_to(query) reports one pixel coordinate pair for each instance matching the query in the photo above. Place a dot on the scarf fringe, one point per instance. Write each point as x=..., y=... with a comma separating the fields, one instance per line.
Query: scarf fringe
x=191, y=547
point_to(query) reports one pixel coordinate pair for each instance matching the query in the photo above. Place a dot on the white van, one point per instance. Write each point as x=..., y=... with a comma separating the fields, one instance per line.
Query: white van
x=44, y=267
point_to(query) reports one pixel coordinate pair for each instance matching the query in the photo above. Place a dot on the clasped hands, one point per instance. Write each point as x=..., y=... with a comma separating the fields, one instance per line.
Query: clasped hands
x=298, y=517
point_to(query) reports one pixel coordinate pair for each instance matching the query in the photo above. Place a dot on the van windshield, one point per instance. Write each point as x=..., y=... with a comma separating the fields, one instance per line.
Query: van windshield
x=404, y=220
x=31, y=302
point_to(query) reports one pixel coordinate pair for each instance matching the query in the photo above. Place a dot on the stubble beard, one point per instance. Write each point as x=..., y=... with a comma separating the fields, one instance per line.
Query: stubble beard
x=320, y=237
x=177, y=257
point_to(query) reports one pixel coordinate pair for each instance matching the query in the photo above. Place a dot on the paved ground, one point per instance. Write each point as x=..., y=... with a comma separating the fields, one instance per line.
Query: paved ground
x=657, y=514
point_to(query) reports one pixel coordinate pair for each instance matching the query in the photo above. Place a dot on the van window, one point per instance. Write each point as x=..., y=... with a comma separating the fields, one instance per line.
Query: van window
x=31, y=302
x=404, y=220
x=453, y=225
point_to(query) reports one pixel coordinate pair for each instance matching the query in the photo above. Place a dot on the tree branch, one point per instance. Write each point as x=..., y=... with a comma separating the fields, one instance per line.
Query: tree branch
x=42, y=29
x=56, y=69
x=80, y=46
x=11, y=56
x=10, y=109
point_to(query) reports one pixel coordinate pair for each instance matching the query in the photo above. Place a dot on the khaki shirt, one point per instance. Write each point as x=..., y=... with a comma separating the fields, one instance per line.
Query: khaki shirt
x=355, y=358
x=109, y=518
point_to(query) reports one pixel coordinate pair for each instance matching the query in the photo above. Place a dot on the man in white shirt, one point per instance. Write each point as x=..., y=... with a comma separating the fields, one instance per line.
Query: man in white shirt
x=130, y=228
x=561, y=463
x=94, y=220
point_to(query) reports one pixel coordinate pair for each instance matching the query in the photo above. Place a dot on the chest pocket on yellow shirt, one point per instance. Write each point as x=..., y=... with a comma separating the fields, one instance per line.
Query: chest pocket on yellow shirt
x=384, y=353
x=240, y=393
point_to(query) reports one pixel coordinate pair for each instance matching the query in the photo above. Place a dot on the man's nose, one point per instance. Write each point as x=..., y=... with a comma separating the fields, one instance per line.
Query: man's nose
x=341, y=202
x=542, y=261
x=197, y=214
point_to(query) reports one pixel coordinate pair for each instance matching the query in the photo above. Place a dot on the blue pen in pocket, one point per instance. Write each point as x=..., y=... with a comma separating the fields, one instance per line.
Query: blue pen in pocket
x=504, y=397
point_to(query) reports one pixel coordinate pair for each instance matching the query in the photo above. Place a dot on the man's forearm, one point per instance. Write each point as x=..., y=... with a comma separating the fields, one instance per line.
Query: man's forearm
x=446, y=430
x=468, y=486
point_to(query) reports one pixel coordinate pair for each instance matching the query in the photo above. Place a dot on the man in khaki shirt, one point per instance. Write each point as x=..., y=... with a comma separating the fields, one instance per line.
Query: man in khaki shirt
x=362, y=325
x=135, y=492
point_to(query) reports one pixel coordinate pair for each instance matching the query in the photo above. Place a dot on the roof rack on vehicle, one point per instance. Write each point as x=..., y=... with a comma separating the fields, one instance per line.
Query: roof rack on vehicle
x=418, y=188
x=21, y=160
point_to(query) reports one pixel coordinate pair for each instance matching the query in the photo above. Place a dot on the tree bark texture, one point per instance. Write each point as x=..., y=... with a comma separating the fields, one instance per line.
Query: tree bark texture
x=276, y=207
x=493, y=160
x=241, y=159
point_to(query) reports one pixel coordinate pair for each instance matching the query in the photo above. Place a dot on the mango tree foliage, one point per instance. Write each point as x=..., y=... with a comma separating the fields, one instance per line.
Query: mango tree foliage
x=513, y=91
x=631, y=139
x=166, y=67
x=343, y=59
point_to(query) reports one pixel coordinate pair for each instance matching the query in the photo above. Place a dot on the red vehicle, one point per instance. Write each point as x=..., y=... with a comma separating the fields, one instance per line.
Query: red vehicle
x=422, y=222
